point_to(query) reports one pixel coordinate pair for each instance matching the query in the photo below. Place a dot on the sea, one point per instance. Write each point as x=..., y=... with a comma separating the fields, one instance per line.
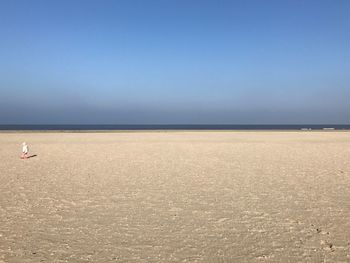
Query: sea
x=137, y=127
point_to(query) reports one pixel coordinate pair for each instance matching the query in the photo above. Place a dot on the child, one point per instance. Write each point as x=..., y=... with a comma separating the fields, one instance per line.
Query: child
x=25, y=151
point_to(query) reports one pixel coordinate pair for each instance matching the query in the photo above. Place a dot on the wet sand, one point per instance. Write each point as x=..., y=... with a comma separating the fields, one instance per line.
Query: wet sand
x=175, y=197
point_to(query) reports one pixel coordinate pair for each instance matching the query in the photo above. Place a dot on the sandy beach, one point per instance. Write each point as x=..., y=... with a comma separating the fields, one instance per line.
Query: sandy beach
x=175, y=197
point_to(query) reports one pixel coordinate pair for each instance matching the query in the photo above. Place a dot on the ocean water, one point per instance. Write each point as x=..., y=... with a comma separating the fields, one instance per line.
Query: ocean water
x=111, y=127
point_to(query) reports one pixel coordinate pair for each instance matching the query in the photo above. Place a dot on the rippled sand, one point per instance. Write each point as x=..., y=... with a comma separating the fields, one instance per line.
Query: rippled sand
x=175, y=197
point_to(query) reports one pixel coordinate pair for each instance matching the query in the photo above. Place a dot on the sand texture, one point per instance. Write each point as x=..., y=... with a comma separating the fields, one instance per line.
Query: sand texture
x=175, y=197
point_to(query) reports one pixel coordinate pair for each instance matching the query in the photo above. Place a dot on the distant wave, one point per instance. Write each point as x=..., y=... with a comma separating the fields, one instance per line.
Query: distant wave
x=110, y=127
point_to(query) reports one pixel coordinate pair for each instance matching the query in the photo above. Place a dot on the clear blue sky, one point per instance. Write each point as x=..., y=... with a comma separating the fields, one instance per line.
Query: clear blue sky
x=174, y=61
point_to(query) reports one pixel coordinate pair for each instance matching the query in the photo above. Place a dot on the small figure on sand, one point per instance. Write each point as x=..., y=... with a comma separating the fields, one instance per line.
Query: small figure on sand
x=25, y=151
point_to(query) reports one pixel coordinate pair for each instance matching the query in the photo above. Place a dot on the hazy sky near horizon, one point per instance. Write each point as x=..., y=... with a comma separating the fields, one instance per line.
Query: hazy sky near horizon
x=177, y=61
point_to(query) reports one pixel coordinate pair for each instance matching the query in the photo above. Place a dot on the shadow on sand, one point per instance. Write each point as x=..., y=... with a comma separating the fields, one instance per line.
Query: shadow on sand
x=31, y=156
